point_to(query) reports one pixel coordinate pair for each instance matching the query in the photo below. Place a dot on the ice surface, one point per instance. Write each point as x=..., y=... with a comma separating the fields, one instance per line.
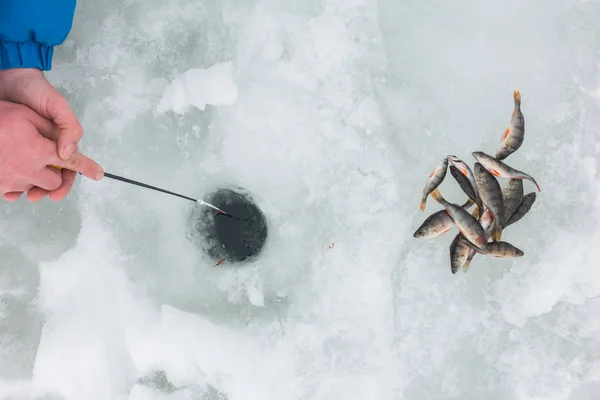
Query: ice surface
x=199, y=87
x=332, y=113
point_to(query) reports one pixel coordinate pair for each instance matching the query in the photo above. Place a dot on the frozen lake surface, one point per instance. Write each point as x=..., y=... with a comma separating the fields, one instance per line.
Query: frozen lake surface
x=332, y=113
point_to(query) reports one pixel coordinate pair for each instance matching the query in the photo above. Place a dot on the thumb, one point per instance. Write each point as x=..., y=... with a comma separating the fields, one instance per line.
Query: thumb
x=31, y=88
x=70, y=130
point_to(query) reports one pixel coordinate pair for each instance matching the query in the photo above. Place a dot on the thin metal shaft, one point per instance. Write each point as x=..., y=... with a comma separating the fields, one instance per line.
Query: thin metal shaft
x=122, y=179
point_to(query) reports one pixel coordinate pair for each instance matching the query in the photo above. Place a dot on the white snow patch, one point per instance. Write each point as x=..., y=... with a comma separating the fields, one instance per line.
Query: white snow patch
x=199, y=88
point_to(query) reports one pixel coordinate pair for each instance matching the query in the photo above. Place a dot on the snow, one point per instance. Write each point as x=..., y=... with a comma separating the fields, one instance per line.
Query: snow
x=331, y=114
x=199, y=87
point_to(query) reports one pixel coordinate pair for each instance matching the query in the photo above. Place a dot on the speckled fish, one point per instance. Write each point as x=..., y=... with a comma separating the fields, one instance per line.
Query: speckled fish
x=512, y=194
x=523, y=208
x=464, y=169
x=463, y=182
x=438, y=223
x=491, y=196
x=465, y=222
x=515, y=134
x=486, y=223
x=435, y=179
x=500, y=169
x=498, y=249
x=459, y=252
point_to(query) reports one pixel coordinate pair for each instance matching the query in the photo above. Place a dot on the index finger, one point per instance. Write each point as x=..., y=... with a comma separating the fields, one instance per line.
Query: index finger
x=82, y=164
x=78, y=163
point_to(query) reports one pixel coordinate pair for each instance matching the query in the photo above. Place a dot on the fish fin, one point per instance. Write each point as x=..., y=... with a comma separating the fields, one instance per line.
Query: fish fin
x=437, y=195
x=432, y=173
x=422, y=205
x=476, y=213
x=464, y=172
x=468, y=204
x=506, y=132
x=494, y=233
x=497, y=231
x=517, y=96
x=525, y=176
x=476, y=249
x=466, y=266
x=494, y=172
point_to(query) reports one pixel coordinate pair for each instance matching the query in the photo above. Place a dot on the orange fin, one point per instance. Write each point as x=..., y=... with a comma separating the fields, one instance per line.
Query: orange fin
x=506, y=132
x=496, y=235
x=422, y=206
x=437, y=196
x=494, y=172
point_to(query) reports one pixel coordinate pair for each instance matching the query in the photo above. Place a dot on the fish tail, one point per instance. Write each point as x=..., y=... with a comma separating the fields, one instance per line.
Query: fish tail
x=498, y=235
x=476, y=213
x=517, y=99
x=495, y=232
x=423, y=203
x=468, y=204
x=529, y=177
x=437, y=196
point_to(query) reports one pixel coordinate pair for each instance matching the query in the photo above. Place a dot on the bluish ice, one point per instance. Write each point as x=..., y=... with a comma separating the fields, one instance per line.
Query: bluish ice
x=332, y=113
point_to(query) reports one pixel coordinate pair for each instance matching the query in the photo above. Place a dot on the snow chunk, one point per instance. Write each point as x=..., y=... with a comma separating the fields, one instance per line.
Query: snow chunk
x=199, y=87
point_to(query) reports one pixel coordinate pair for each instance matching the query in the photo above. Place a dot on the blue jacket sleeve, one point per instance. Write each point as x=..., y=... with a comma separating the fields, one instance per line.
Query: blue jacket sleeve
x=29, y=30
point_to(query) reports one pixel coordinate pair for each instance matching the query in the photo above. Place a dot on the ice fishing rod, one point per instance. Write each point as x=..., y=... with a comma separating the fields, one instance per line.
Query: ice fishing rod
x=131, y=181
x=122, y=179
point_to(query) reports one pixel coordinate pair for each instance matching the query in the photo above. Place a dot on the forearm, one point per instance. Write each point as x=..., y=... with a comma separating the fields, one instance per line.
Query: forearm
x=30, y=29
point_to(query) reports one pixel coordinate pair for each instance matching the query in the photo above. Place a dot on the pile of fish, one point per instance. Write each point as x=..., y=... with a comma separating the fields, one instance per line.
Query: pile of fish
x=496, y=207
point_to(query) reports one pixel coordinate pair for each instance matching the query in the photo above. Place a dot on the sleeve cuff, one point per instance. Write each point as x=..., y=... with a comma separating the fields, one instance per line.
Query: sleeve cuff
x=27, y=54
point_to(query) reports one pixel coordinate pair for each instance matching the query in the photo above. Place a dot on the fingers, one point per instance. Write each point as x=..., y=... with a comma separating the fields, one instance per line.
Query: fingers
x=35, y=91
x=68, y=178
x=70, y=130
x=48, y=179
x=16, y=192
x=12, y=196
x=78, y=162
x=82, y=164
x=36, y=194
x=51, y=133
x=44, y=126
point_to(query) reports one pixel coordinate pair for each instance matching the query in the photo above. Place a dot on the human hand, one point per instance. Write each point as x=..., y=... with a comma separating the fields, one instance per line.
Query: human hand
x=28, y=151
x=29, y=86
